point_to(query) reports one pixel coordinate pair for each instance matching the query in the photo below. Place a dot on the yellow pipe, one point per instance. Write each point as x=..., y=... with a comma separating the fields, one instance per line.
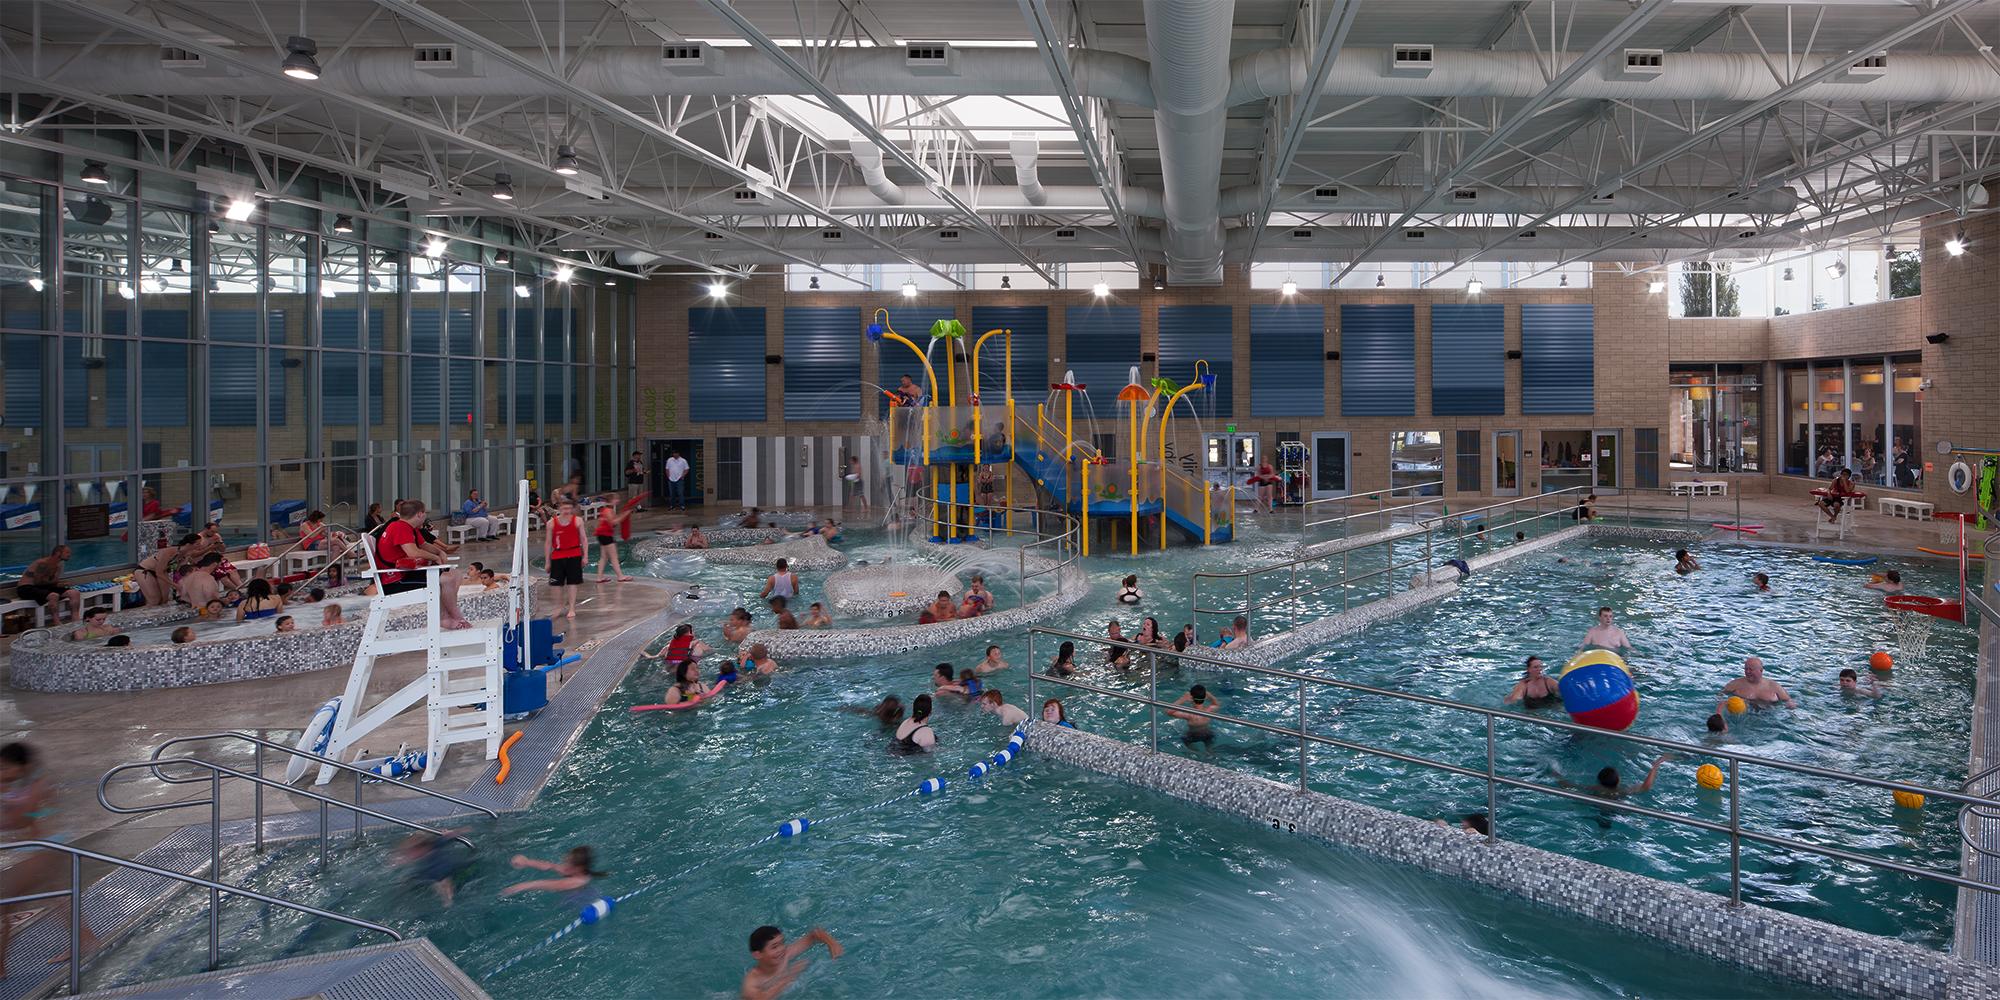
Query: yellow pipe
x=1206, y=518
x=1132, y=501
x=951, y=474
x=1086, y=507
x=1166, y=413
x=934, y=502
x=1069, y=425
x=889, y=333
x=1013, y=440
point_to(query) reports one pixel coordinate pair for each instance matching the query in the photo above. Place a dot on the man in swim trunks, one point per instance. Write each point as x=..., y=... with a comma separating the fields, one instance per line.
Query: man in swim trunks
x=1605, y=635
x=1535, y=689
x=42, y=583
x=1199, y=728
x=778, y=964
x=1754, y=687
x=782, y=582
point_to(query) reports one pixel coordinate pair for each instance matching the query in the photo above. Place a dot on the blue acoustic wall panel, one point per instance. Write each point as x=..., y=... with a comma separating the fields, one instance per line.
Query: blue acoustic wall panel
x=1287, y=361
x=896, y=360
x=1031, y=350
x=725, y=363
x=1468, y=359
x=822, y=363
x=1558, y=367
x=1201, y=333
x=1378, y=360
x=1103, y=346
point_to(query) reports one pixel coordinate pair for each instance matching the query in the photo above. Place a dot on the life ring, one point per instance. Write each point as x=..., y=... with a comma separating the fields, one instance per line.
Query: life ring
x=1952, y=555
x=1750, y=528
x=1959, y=476
x=1845, y=562
x=689, y=703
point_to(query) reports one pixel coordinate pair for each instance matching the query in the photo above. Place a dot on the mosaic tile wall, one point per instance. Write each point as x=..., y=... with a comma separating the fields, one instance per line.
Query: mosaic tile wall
x=805, y=644
x=1819, y=954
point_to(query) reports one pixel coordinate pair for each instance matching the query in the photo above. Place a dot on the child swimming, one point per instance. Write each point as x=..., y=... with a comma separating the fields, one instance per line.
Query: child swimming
x=573, y=872
x=1128, y=591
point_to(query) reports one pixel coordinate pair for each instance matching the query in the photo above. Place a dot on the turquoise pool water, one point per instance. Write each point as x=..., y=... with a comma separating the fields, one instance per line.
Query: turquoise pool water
x=1049, y=880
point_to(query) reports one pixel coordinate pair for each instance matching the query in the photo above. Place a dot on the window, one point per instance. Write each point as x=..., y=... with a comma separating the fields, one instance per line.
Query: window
x=1416, y=463
x=1565, y=460
x=1468, y=461
x=1715, y=418
x=1860, y=414
x=729, y=469
x=1702, y=288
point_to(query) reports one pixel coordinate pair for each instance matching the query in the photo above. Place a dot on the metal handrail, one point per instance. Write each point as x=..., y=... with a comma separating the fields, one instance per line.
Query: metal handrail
x=1064, y=542
x=1307, y=524
x=1733, y=829
x=1534, y=498
x=261, y=744
x=77, y=855
x=216, y=772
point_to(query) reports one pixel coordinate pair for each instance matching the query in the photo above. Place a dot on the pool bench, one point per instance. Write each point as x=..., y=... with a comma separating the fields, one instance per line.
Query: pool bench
x=1916, y=510
x=1700, y=488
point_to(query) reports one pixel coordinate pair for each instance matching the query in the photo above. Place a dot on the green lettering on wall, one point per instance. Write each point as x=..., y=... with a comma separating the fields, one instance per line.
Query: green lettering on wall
x=659, y=411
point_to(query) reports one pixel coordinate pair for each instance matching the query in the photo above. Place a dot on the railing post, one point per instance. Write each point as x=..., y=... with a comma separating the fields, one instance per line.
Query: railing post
x=1492, y=801
x=357, y=805
x=1735, y=842
x=322, y=836
x=214, y=869
x=257, y=793
x=76, y=924
x=1292, y=606
x=1302, y=737
x=1153, y=697
x=1034, y=709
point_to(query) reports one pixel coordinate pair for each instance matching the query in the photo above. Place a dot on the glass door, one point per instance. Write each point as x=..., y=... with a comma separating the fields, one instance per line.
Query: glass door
x=1229, y=458
x=1506, y=463
x=1604, y=460
x=1332, y=455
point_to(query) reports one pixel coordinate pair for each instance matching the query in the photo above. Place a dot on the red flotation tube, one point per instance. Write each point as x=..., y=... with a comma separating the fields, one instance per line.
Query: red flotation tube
x=689, y=703
x=1750, y=528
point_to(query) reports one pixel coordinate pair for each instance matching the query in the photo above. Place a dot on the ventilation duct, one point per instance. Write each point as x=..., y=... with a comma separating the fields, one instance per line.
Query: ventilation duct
x=1189, y=45
x=1025, y=149
x=868, y=157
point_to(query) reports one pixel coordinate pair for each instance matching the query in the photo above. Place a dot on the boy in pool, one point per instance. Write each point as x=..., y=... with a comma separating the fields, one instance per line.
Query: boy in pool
x=1684, y=563
x=737, y=626
x=1850, y=685
x=816, y=617
x=183, y=635
x=1605, y=635
x=778, y=965
x=1610, y=786
x=1199, y=729
x=992, y=701
x=285, y=624
x=1762, y=581
x=1891, y=583
x=573, y=872
x=993, y=663
x=759, y=661
x=783, y=610
x=331, y=617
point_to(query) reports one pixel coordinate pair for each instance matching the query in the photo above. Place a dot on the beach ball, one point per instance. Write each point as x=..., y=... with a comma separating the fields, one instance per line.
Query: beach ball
x=1597, y=690
x=1708, y=776
x=1908, y=800
x=1735, y=705
x=1880, y=660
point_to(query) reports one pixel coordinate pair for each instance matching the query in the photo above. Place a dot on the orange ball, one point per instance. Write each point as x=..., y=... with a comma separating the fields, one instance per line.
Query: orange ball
x=1880, y=660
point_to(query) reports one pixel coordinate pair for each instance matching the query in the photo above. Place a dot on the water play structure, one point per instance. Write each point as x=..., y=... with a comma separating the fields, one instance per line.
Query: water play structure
x=949, y=439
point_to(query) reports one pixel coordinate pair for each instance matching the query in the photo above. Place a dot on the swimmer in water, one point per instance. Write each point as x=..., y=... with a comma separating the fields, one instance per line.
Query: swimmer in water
x=573, y=872
x=1754, y=687
x=1762, y=581
x=943, y=681
x=914, y=734
x=781, y=608
x=1065, y=661
x=993, y=663
x=759, y=661
x=28, y=812
x=96, y=625
x=1605, y=635
x=1850, y=685
x=331, y=617
x=1891, y=583
x=1535, y=689
x=1053, y=714
x=1113, y=630
x=687, y=683
x=778, y=961
x=888, y=711
x=1128, y=591
x=993, y=701
x=695, y=539
x=816, y=616
x=1199, y=728
x=1610, y=786
x=1684, y=563
x=433, y=861
x=736, y=627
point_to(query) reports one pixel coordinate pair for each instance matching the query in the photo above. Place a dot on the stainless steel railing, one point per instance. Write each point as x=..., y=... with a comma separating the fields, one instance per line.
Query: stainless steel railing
x=1736, y=760
x=216, y=889
x=1056, y=544
x=1340, y=525
x=260, y=744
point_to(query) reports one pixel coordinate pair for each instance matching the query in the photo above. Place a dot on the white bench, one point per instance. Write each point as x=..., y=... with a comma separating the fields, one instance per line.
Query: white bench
x=1916, y=510
x=251, y=568
x=303, y=561
x=41, y=611
x=106, y=598
x=503, y=524
x=1700, y=488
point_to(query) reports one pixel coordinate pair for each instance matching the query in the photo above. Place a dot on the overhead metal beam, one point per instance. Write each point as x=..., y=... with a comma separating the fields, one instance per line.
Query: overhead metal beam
x=1055, y=56
x=616, y=112
x=772, y=50
x=1939, y=12
x=1332, y=38
x=1707, y=28
x=1549, y=94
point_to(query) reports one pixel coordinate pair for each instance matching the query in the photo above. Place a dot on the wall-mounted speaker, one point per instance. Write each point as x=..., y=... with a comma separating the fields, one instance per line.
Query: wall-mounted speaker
x=1513, y=355
x=1333, y=355
x=1936, y=338
x=774, y=359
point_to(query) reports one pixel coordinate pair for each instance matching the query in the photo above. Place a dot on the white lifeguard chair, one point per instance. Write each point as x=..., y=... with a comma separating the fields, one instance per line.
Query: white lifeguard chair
x=461, y=687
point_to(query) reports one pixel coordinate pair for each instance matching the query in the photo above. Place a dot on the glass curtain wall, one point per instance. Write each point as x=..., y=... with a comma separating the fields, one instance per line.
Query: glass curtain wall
x=161, y=367
x=1715, y=418
x=1862, y=414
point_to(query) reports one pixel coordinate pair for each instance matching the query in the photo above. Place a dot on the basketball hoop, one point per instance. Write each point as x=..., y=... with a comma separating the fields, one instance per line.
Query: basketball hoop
x=1935, y=607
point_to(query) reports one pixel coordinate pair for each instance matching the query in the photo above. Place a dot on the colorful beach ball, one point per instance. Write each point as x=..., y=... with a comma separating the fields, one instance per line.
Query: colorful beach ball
x=1597, y=690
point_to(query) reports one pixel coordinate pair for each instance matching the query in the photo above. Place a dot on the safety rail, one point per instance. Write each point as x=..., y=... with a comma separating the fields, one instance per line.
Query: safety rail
x=1292, y=597
x=1737, y=760
x=260, y=744
x=1059, y=548
x=1381, y=511
x=216, y=889
x=1689, y=507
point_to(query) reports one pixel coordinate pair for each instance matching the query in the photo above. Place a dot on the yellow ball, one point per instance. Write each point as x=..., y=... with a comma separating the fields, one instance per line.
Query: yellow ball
x=1908, y=800
x=1708, y=776
x=1735, y=705
x=1594, y=656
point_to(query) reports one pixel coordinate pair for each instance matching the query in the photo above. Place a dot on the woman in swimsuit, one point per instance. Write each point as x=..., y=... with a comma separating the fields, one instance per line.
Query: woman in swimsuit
x=1065, y=663
x=687, y=683
x=573, y=873
x=27, y=811
x=914, y=734
x=156, y=581
x=607, y=542
x=262, y=602
x=1535, y=689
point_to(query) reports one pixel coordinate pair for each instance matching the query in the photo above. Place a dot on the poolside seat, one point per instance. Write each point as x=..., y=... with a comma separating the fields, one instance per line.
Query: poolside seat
x=1916, y=510
x=41, y=611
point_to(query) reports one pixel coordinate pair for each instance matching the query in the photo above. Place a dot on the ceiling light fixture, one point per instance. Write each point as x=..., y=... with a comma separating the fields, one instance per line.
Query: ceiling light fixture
x=909, y=288
x=1564, y=283
x=1006, y=282
x=502, y=258
x=564, y=272
x=1655, y=287
x=124, y=291
x=1381, y=281
x=435, y=248
x=1956, y=245
x=240, y=209
x=343, y=224
x=1159, y=283
x=299, y=63
x=503, y=186
x=1474, y=287
x=1836, y=269
x=717, y=290
x=520, y=291
x=1289, y=288
x=37, y=284
x=566, y=162
x=94, y=173
x=813, y=283
x=1100, y=289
